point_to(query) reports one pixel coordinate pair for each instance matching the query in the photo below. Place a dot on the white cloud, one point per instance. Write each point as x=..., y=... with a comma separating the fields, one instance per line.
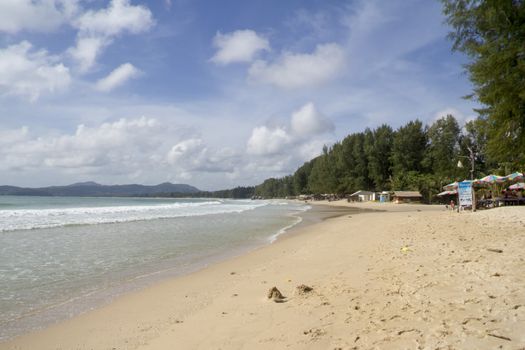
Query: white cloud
x=29, y=73
x=187, y=150
x=301, y=70
x=311, y=149
x=309, y=121
x=38, y=16
x=87, y=147
x=118, y=77
x=305, y=124
x=127, y=148
x=267, y=141
x=238, y=46
x=87, y=50
x=14, y=136
x=97, y=29
x=192, y=155
x=120, y=16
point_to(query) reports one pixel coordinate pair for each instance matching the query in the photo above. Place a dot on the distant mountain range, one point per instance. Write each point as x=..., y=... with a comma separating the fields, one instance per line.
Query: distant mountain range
x=93, y=189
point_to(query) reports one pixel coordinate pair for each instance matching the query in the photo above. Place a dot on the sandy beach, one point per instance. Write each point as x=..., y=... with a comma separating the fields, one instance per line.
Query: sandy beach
x=407, y=277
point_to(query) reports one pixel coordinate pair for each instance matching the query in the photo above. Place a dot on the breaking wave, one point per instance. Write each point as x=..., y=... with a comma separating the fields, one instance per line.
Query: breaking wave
x=27, y=219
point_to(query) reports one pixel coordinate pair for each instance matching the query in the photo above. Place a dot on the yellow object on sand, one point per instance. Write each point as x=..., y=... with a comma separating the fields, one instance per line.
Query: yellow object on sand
x=405, y=249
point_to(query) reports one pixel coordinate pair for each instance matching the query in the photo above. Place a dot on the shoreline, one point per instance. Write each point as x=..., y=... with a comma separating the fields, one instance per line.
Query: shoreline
x=39, y=320
x=421, y=269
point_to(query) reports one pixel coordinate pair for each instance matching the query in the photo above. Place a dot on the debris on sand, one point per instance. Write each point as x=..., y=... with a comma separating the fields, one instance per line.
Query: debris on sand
x=314, y=333
x=303, y=289
x=276, y=295
x=499, y=336
x=495, y=250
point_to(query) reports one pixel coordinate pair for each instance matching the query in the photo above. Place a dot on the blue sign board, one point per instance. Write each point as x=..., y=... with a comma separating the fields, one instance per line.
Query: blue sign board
x=465, y=193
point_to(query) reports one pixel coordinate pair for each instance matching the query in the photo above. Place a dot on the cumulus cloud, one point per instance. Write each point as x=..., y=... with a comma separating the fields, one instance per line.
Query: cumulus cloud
x=87, y=50
x=238, y=46
x=297, y=70
x=123, y=148
x=97, y=29
x=305, y=125
x=120, y=16
x=192, y=155
x=29, y=73
x=267, y=141
x=118, y=146
x=9, y=137
x=38, y=16
x=191, y=149
x=118, y=77
x=309, y=121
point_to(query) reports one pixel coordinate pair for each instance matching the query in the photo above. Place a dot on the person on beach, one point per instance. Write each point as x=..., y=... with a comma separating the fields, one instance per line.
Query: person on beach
x=452, y=204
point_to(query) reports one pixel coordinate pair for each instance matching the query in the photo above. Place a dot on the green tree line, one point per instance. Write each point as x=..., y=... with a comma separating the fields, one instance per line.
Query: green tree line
x=413, y=157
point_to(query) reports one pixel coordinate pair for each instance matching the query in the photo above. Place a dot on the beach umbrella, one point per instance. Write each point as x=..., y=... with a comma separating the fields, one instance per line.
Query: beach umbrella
x=479, y=183
x=444, y=193
x=451, y=186
x=514, y=177
x=517, y=186
x=454, y=185
x=490, y=179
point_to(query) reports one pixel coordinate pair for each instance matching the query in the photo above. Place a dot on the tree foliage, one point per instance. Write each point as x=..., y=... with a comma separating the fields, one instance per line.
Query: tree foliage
x=491, y=33
x=408, y=148
x=378, y=149
x=443, y=147
x=413, y=157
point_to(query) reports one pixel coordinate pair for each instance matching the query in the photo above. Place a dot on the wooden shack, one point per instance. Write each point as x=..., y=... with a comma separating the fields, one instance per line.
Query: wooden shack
x=406, y=197
x=362, y=196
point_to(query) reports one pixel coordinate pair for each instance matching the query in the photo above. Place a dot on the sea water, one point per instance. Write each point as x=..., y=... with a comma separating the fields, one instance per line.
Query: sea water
x=61, y=256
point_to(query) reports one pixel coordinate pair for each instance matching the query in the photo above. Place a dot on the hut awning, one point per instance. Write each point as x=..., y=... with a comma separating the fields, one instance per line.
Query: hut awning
x=407, y=194
x=445, y=193
x=362, y=193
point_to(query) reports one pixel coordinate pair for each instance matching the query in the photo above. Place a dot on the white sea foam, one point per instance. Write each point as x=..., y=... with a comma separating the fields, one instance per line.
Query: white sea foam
x=26, y=219
x=298, y=220
x=274, y=237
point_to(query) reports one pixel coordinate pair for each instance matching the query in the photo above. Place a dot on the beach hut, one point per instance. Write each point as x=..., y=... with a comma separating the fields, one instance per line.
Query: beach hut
x=362, y=196
x=384, y=197
x=406, y=197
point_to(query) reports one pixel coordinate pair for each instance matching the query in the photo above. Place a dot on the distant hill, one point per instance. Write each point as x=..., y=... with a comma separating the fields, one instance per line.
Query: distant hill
x=93, y=189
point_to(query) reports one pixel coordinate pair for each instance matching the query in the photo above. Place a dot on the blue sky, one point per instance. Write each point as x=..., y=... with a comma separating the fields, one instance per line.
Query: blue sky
x=211, y=93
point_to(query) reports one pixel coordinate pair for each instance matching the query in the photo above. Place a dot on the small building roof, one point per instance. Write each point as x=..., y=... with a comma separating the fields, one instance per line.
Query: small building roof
x=361, y=192
x=406, y=194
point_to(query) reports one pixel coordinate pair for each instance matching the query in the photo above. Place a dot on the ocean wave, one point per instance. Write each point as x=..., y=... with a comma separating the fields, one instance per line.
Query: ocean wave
x=283, y=230
x=27, y=219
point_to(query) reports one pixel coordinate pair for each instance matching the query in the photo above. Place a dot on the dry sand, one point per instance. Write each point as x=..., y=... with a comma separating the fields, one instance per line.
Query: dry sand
x=413, y=277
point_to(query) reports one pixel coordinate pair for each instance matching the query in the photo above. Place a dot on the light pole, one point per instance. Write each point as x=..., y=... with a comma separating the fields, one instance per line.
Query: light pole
x=472, y=158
